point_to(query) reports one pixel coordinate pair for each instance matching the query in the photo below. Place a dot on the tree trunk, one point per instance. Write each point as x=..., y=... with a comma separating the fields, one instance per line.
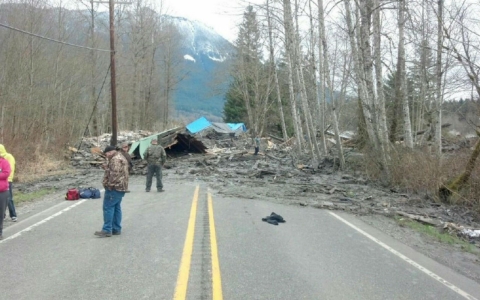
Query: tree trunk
x=277, y=85
x=289, y=40
x=381, y=111
x=321, y=95
x=400, y=87
x=329, y=86
x=438, y=103
x=359, y=76
x=459, y=182
x=315, y=151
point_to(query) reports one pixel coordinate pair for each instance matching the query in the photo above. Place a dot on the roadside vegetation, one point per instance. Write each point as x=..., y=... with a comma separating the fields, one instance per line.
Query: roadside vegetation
x=28, y=197
x=436, y=234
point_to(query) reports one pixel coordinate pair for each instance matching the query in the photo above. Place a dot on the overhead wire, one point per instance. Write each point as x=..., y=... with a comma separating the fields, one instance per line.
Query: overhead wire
x=72, y=45
x=52, y=40
x=94, y=106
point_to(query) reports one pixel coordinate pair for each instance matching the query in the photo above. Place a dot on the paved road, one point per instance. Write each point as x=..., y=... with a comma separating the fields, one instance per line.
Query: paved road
x=188, y=243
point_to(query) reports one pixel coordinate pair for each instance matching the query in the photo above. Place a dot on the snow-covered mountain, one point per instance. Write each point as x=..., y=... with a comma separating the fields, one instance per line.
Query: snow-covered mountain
x=206, y=58
x=201, y=56
x=201, y=39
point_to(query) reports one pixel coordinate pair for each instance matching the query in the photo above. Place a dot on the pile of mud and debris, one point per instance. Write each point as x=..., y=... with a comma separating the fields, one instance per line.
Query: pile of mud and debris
x=277, y=174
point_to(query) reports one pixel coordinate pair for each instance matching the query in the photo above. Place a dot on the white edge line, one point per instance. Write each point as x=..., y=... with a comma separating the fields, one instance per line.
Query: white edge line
x=42, y=221
x=408, y=260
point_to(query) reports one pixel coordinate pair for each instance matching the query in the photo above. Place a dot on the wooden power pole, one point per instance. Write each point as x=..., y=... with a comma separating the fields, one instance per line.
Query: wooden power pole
x=113, y=140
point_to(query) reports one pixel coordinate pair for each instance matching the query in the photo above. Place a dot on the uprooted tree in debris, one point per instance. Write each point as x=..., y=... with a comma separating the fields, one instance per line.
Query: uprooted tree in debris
x=459, y=182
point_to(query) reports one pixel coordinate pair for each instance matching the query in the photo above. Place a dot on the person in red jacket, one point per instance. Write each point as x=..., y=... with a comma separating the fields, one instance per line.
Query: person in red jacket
x=4, y=188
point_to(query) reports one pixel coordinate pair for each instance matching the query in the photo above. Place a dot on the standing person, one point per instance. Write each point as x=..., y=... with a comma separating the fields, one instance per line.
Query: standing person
x=11, y=160
x=124, y=151
x=4, y=174
x=257, y=144
x=156, y=157
x=115, y=182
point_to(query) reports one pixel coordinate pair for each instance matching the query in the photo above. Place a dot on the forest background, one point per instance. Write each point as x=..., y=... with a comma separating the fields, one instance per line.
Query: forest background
x=393, y=72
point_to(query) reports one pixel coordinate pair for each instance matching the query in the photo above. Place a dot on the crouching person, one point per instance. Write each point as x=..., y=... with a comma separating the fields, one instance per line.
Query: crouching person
x=115, y=182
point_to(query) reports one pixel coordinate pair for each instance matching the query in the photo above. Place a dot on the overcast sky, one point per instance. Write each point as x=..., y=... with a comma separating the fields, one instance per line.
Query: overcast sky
x=222, y=15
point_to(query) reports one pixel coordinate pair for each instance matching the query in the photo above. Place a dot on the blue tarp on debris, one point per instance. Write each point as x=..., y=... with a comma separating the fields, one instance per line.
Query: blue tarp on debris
x=236, y=126
x=202, y=124
x=198, y=125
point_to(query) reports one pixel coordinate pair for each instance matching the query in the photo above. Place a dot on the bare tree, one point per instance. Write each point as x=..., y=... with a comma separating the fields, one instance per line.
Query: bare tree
x=401, y=86
x=275, y=73
x=437, y=119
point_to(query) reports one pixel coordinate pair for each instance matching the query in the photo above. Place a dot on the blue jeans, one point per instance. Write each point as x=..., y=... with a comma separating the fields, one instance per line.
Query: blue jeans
x=11, y=206
x=112, y=211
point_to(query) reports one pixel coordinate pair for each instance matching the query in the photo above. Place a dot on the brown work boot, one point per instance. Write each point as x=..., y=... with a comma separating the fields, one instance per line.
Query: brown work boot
x=102, y=234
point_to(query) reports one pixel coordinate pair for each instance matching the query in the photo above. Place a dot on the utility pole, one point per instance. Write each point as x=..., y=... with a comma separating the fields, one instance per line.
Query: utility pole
x=93, y=57
x=113, y=140
x=113, y=89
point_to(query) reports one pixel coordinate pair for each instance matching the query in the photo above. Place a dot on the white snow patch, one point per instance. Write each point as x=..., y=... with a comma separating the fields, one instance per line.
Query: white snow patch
x=217, y=59
x=188, y=57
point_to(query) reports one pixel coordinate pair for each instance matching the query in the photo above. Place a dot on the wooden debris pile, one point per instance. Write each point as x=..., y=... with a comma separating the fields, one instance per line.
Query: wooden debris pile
x=89, y=151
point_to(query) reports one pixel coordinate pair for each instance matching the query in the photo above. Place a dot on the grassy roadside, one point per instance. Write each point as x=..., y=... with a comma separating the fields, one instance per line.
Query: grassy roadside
x=20, y=197
x=434, y=233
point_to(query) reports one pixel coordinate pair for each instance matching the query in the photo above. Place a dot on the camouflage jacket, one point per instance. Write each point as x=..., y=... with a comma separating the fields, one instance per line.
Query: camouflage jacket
x=116, y=174
x=155, y=155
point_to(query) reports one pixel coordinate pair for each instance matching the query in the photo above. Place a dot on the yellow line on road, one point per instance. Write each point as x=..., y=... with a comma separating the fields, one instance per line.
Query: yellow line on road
x=184, y=271
x=217, y=293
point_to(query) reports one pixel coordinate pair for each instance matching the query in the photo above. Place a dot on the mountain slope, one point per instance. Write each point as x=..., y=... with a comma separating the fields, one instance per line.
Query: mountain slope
x=206, y=59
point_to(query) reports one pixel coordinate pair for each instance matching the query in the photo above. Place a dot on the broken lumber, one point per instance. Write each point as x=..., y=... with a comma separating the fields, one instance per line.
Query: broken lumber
x=421, y=219
x=273, y=157
x=276, y=138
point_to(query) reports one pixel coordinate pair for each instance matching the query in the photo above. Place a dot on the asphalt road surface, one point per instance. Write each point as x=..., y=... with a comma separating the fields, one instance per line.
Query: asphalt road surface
x=190, y=243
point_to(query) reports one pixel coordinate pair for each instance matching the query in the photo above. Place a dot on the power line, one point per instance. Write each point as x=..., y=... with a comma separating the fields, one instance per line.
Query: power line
x=49, y=39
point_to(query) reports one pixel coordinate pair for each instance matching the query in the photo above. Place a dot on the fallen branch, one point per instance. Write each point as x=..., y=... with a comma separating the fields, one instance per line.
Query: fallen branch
x=276, y=138
x=273, y=157
x=421, y=219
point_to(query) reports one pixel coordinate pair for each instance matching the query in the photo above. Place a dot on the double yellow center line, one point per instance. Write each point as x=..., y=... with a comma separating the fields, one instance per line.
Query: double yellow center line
x=184, y=271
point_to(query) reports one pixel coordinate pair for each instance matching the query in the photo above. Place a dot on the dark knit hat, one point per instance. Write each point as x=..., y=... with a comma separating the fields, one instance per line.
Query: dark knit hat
x=109, y=148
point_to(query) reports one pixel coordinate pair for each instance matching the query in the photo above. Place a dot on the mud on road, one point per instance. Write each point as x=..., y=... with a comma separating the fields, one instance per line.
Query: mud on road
x=262, y=178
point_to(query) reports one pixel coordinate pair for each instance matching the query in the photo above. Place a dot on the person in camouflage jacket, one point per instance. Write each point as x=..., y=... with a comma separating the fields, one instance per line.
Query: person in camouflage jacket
x=115, y=182
x=155, y=156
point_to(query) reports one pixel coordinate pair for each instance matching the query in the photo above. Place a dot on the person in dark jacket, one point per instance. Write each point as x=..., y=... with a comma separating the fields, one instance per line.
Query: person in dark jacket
x=155, y=156
x=124, y=150
x=4, y=188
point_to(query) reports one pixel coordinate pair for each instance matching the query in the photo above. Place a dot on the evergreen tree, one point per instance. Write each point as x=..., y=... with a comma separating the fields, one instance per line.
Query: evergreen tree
x=247, y=95
x=234, y=110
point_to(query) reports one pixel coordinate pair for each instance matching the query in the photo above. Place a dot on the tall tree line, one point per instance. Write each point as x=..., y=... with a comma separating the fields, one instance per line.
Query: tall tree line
x=55, y=83
x=324, y=52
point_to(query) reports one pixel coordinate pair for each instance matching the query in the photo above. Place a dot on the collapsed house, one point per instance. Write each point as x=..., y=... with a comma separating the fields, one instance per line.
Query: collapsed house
x=174, y=140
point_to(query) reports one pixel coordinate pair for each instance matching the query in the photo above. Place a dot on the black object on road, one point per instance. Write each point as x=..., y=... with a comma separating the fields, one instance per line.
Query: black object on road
x=274, y=219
